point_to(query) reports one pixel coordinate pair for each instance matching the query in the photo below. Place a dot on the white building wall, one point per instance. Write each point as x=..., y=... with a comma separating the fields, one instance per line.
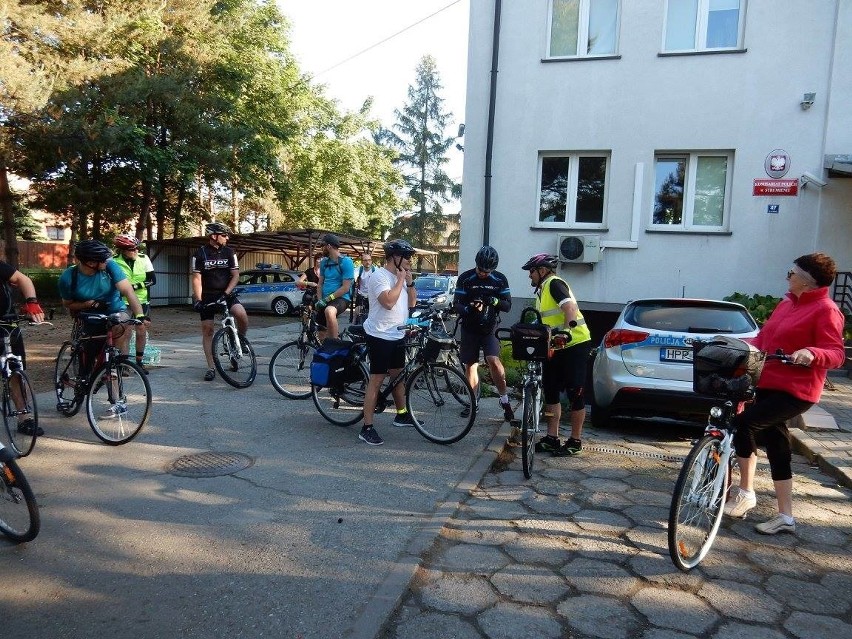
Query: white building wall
x=641, y=103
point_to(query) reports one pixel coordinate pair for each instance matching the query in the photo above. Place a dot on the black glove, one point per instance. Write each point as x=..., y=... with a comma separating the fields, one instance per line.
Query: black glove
x=492, y=301
x=138, y=286
x=98, y=306
x=319, y=305
x=231, y=298
x=198, y=306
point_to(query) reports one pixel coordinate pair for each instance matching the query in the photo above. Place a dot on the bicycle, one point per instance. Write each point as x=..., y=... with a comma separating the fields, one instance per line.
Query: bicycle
x=290, y=365
x=19, y=515
x=434, y=390
x=696, y=509
x=17, y=386
x=114, y=387
x=233, y=354
x=533, y=343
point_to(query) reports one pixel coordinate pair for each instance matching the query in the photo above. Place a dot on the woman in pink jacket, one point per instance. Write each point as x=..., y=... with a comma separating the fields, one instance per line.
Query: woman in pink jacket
x=808, y=326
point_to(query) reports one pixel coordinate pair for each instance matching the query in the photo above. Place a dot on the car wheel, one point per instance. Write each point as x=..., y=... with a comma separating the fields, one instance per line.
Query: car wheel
x=281, y=306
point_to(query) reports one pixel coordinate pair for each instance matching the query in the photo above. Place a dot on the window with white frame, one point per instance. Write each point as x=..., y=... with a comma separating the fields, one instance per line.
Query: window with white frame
x=700, y=25
x=54, y=232
x=582, y=28
x=572, y=189
x=691, y=191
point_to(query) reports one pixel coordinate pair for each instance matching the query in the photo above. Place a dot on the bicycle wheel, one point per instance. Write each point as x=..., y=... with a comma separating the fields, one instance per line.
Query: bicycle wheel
x=237, y=366
x=529, y=427
x=119, y=401
x=343, y=405
x=26, y=416
x=66, y=378
x=696, y=508
x=290, y=369
x=19, y=518
x=454, y=361
x=435, y=395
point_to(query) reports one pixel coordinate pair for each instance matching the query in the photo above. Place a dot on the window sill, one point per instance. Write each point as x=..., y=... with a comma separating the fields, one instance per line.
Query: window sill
x=571, y=229
x=687, y=232
x=584, y=58
x=674, y=54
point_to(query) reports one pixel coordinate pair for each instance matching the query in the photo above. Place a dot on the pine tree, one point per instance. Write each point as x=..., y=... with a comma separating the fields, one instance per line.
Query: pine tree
x=418, y=135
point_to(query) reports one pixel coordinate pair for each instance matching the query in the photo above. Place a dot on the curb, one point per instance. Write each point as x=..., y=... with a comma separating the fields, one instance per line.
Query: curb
x=832, y=465
x=382, y=604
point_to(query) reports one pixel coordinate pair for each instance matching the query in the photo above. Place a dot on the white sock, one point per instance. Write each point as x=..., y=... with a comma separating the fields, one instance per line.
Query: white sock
x=788, y=519
x=746, y=493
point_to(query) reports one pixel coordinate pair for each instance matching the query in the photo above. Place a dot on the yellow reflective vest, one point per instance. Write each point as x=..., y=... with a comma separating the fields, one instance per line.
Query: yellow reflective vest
x=553, y=316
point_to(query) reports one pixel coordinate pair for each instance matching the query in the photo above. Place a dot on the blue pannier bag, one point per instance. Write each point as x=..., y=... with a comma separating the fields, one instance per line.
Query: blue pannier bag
x=330, y=361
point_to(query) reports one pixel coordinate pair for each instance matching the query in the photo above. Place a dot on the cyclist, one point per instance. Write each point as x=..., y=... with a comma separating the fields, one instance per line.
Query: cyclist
x=215, y=273
x=808, y=325
x=482, y=293
x=566, y=370
x=11, y=277
x=139, y=270
x=391, y=295
x=366, y=269
x=337, y=271
x=96, y=284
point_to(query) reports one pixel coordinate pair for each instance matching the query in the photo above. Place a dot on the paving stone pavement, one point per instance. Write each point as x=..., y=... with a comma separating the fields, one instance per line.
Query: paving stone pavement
x=580, y=550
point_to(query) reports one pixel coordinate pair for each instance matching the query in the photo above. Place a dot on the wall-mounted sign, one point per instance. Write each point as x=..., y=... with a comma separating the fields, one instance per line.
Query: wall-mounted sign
x=775, y=187
x=777, y=163
x=773, y=208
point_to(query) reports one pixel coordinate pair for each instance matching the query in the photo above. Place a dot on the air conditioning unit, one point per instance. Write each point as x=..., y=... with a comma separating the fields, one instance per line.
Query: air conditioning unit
x=578, y=249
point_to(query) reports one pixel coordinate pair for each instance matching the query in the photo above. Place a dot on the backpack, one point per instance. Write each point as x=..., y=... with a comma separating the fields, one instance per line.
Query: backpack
x=328, y=368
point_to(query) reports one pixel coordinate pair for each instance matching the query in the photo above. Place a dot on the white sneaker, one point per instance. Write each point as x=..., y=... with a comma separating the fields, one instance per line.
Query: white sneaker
x=740, y=504
x=116, y=410
x=775, y=525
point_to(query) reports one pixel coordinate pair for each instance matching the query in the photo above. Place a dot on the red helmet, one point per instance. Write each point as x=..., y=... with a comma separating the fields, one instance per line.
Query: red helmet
x=542, y=259
x=126, y=241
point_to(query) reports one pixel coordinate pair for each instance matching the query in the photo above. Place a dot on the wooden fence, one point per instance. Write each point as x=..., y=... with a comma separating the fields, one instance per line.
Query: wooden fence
x=39, y=254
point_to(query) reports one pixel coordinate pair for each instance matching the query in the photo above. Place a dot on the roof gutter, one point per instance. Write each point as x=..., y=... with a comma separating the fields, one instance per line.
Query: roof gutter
x=492, y=104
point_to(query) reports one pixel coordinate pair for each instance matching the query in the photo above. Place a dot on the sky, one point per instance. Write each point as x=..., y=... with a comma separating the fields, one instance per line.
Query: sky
x=326, y=35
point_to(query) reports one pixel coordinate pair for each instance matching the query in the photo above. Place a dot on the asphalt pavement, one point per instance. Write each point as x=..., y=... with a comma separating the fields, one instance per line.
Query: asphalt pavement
x=323, y=536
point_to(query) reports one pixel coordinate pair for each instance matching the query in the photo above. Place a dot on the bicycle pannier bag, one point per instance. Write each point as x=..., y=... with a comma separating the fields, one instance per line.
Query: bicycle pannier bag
x=330, y=361
x=726, y=367
x=531, y=338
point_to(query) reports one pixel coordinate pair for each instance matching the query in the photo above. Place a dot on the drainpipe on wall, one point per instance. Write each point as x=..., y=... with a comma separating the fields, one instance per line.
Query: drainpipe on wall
x=489, y=143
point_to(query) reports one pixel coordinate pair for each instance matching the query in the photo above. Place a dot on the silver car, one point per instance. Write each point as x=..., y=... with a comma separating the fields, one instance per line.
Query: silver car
x=643, y=366
x=270, y=289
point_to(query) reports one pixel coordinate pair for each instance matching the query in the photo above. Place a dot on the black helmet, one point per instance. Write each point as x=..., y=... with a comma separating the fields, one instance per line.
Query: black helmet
x=539, y=260
x=92, y=251
x=331, y=238
x=399, y=247
x=487, y=258
x=214, y=228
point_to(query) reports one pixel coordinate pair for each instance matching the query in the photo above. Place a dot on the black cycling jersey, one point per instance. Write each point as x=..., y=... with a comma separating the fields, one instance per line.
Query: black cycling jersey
x=470, y=287
x=215, y=266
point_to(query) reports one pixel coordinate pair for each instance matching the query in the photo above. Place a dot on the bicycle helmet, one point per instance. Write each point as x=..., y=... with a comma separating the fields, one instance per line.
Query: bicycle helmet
x=487, y=258
x=331, y=238
x=92, y=251
x=126, y=241
x=539, y=260
x=399, y=247
x=214, y=228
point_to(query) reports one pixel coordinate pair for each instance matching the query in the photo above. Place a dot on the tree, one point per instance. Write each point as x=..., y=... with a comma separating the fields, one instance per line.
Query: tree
x=418, y=135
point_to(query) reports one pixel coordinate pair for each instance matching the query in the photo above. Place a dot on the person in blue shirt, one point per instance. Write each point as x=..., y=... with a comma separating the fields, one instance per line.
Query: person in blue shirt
x=336, y=275
x=96, y=284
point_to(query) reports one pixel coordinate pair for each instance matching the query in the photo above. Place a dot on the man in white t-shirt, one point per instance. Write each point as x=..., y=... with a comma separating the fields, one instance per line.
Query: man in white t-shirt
x=362, y=278
x=390, y=296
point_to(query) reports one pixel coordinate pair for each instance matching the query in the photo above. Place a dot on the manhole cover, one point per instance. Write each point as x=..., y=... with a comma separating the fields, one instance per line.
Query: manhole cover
x=209, y=464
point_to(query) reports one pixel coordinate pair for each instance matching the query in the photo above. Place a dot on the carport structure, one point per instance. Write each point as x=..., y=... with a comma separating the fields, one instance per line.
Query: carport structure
x=290, y=249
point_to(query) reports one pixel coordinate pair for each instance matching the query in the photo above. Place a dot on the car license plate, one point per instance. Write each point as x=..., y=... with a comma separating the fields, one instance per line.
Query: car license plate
x=675, y=354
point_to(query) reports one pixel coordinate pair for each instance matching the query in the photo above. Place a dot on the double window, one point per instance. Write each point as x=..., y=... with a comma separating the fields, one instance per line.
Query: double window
x=691, y=191
x=572, y=189
x=582, y=28
x=700, y=25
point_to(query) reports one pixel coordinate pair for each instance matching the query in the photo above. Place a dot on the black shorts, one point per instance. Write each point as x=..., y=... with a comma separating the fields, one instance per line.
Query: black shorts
x=340, y=304
x=385, y=354
x=566, y=371
x=471, y=343
x=209, y=312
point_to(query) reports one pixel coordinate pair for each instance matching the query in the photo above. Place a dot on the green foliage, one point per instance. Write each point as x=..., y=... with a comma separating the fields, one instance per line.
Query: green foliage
x=760, y=306
x=46, y=282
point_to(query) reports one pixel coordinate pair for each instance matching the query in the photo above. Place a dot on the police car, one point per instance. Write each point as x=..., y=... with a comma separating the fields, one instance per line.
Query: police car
x=269, y=287
x=643, y=366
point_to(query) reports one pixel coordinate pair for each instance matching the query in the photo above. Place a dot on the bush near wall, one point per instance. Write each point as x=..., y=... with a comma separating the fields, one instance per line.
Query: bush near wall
x=46, y=282
x=760, y=306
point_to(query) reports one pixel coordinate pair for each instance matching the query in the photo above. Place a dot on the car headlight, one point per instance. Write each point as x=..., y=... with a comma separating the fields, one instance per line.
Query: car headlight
x=439, y=299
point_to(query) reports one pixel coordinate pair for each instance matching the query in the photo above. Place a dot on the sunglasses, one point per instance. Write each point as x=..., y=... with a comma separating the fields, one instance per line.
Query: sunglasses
x=484, y=271
x=790, y=273
x=220, y=235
